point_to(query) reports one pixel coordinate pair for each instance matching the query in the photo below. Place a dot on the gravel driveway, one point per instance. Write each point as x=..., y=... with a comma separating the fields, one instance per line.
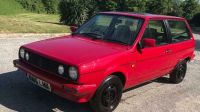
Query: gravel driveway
x=17, y=94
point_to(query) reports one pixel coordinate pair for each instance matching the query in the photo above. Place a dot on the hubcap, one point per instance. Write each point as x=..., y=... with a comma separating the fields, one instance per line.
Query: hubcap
x=109, y=96
x=181, y=72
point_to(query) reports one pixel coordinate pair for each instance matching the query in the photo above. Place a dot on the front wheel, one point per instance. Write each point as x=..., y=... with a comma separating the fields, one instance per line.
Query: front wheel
x=108, y=95
x=179, y=72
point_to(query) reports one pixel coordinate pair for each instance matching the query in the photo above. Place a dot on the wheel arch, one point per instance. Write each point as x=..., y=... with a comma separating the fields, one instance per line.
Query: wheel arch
x=121, y=76
x=120, y=71
x=187, y=59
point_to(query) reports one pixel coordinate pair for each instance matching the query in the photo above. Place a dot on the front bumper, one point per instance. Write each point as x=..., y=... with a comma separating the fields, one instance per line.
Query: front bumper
x=74, y=92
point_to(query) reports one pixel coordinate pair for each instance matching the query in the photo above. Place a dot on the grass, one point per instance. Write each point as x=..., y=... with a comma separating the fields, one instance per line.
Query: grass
x=8, y=7
x=31, y=23
x=15, y=19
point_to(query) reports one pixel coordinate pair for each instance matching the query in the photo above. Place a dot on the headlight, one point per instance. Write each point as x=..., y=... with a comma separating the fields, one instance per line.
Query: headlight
x=27, y=56
x=61, y=69
x=73, y=73
x=22, y=53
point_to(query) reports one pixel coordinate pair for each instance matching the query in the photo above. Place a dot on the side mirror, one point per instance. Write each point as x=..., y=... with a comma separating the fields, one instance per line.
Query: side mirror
x=149, y=42
x=73, y=28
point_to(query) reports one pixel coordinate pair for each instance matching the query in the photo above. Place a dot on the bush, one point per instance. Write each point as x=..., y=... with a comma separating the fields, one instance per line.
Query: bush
x=107, y=5
x=189, y=8
x=51, y=6
x=32, y=5
x=40, y=6
x=136, y=5
x=76, y=11
x=196, y=20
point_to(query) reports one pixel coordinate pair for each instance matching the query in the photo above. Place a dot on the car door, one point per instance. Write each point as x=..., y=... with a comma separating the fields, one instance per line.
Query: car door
x=152, y=62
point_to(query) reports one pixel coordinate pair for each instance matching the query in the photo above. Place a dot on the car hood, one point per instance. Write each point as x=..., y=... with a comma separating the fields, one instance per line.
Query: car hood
x=75, y=49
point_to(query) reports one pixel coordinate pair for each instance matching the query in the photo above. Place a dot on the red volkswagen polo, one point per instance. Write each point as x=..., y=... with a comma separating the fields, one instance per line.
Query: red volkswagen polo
x=110, y=53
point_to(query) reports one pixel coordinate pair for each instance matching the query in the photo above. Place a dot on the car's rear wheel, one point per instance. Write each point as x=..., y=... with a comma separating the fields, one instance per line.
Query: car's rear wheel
x=178, y=74
x=108, y=95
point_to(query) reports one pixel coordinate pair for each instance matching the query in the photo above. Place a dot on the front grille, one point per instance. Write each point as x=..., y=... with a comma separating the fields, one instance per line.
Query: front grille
x=45, y=63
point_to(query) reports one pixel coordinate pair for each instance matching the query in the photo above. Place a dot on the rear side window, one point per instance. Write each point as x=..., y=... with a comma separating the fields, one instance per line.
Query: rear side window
x=179, y=31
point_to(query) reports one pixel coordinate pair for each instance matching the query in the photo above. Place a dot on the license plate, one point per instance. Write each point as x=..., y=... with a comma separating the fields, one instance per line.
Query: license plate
x=39, y=82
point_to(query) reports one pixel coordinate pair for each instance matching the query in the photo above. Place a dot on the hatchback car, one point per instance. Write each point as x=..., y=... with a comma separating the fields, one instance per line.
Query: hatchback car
x=108, y=54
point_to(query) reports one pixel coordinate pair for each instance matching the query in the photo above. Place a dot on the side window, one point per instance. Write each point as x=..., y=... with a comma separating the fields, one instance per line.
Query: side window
x=156, y=30
x=179, y=31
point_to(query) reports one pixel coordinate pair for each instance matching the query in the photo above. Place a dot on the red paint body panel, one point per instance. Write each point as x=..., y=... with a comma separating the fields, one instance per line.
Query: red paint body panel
x=97, y=59
x=69, y=47
x=74, y=92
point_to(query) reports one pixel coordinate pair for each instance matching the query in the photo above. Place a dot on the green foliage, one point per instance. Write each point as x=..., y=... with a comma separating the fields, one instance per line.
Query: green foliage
x=32, y=5
x=8, y=7
x=40, y=6
x=136, y=5
x=165, y=7
x=159, y=6
x=51, y=6
x=76, y=11
x=190, y=8
x=124, y=5
x=92, y=7
x=107, y=5
x=176, y=9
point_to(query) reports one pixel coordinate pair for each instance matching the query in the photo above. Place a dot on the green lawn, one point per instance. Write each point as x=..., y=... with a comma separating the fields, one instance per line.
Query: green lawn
x=8, y=7
x=31, y=23
x=15, y=19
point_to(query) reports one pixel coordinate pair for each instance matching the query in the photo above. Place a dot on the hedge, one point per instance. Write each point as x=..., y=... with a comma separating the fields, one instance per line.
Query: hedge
x=40, y=6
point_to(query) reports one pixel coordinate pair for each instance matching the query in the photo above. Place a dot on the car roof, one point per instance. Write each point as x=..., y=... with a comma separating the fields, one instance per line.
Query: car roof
x=143, y=15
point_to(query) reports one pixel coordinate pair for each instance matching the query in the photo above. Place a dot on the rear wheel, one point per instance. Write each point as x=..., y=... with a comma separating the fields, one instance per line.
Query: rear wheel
x=108, y=96
x=179, y=72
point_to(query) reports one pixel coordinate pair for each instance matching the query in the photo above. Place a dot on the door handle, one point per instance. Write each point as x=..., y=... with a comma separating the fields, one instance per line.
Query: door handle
x=168, y=51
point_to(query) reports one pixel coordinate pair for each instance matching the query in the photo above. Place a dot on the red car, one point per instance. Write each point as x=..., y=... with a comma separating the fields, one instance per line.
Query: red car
x=108, y=54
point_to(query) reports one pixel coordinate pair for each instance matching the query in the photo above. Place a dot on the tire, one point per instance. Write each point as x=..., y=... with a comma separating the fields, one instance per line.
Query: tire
x=108, y=95
x=178, y=74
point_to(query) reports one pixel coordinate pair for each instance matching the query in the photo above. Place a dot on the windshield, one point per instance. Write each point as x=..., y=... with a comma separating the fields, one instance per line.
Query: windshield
x=113, y=28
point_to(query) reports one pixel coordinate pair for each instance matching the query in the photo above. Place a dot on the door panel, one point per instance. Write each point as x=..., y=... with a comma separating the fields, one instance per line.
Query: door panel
x=153, y=62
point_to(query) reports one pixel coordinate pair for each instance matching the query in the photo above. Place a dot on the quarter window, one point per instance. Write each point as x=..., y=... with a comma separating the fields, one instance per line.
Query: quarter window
x=179, y=31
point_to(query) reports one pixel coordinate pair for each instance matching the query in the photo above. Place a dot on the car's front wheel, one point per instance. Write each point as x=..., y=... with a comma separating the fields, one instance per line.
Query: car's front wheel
x=108, y=95
x=179, y=72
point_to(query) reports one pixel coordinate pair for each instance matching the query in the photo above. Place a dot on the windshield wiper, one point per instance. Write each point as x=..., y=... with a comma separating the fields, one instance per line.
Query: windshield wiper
x=93, y=35
x=118, y=41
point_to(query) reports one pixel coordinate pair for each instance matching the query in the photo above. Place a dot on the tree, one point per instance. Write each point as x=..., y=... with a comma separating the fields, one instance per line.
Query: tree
x=190, y=8
x=159, y=6
x=132, y=5
x=76, y=11
x=122, y=5
x=136, y=5
x=176, y=9
x=107, y=5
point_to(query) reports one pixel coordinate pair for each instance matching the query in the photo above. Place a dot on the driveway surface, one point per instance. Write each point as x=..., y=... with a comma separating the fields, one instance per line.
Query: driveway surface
x=17, y=94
